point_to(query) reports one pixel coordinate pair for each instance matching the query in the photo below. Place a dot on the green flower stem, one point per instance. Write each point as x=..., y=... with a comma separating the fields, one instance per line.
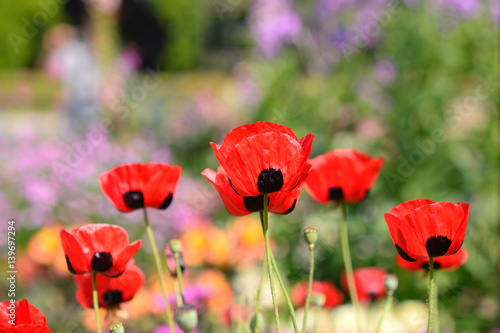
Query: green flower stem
x=178, y=297
x=268, y=259
x=431, y=296
x=282, y=285
x=179, y=276
x=96, y=301
x=388, y=304
x=159, y=269
x=309, y=286
x=285, y=293
x=262, y=275
x=436, y=298
x=344, y=240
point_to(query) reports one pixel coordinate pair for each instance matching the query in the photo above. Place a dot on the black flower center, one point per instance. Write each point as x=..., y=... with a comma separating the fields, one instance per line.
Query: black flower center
x=167, y=201
x=335, y=193
x=270, y=180
x=403, y=254
x=70, y=267
x=113, y=297
x=133, y=199
x=101, y=261
x=437, y=246
x=436, y=265
x=255, y=204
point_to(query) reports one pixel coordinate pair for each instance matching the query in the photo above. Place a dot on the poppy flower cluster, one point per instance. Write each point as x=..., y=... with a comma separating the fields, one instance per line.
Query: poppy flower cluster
x=21, y=317
x=133, y=186
x=111, y=291
x=342, y=175
x=257, y=159
x=422, y=228
x=98, y=248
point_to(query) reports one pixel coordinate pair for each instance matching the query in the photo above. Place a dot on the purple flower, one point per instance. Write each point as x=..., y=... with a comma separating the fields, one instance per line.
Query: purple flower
x=272, y=24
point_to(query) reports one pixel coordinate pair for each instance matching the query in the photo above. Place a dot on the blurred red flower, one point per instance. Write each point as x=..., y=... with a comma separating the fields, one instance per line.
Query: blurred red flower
x=333, y=296
x=111, y=291
x=423, y=228
x=99, y=248
x=450, y=262
x=342, y=175
x=132, y=186
x=279, y=202
x=21, y=317
x=264, y=158
x=369, y=281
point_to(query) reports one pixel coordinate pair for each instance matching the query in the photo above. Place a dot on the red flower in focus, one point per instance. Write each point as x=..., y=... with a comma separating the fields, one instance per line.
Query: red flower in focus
x=342, y=175
x=279, y=202
x=111, y=291
x=333, y=296
x=264, y=158
x=98, y=248
x=369, y=281
x=423, y=228
x=132, y=186
x=21, y=317
x=450, y=262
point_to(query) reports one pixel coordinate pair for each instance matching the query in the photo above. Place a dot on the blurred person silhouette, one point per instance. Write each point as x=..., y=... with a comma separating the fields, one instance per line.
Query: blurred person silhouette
x=76, y=54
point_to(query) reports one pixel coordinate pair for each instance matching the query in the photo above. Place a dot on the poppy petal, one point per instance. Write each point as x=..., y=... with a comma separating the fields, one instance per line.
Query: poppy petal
x=459, y=231
x=409, y=206
x=121, y=260
x=78, y=262
x=233, y=202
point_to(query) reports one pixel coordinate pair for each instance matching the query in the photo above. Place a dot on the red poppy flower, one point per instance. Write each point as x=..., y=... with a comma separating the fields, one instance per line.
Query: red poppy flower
x=369, y=281
x=110, y=291
x=423, y=228
x=279, y=202
x=21, y=317
x=450, y=262
x=333, y=296
x=132, y=186
x=342, y=175
x=99, y=248
x=264, y=158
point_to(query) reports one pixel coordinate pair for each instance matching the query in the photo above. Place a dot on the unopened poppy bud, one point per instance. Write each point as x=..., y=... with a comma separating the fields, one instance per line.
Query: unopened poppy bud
x=318, y=300
x=186, y=317
x=256, y=322
x=391, y=282
x=175, y=246
x=311, y=236
x=116, y=328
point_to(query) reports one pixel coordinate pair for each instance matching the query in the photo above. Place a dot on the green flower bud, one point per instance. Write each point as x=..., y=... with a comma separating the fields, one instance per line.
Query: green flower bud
x=256, y=322
x=391, y=282
x=186, y=317
x=116, y=328
x=311, y=236
x=318, y=300
x=175, y=246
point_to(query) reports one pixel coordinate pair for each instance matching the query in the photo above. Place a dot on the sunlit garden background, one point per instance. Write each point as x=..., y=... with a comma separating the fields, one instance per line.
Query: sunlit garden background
x=87, y=86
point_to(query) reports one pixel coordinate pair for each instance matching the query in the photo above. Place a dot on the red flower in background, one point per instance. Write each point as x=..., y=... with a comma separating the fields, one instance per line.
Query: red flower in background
x=450, y=262
x=423, y=228
x=111, y=291
x=342, y=175
x=333, y=296
x=26, y=318
x=99, y=248
x=264, y=158
x=279, y=202
x=132, y=186
x=370, y=283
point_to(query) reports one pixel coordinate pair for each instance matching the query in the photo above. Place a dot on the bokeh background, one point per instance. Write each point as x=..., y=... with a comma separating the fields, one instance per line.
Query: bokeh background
x=88, y=85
